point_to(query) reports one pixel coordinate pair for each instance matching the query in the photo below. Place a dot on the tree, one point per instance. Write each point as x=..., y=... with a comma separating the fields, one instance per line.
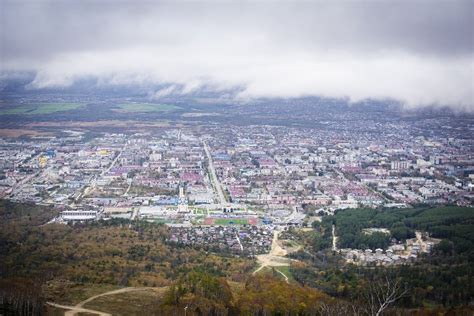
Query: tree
x=341, y=308
x=382, y=293
x=201, y=292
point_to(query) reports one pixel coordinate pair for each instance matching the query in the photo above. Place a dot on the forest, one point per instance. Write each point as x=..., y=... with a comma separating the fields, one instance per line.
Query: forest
x=47, y=262
x=116, y=252
x=441, y=278
x=455, y=225
x=43, y=263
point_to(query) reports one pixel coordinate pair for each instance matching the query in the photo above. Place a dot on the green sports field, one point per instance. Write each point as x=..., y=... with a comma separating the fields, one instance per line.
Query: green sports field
x=145, y=107
x=231, y=221
x=37, y=109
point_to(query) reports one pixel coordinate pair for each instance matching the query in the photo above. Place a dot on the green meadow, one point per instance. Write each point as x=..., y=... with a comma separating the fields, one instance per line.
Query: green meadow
x=37, y=109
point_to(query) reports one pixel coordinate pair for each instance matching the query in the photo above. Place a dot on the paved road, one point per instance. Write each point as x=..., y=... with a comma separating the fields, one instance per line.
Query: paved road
x=89, y=189
x=212, y=171
x=128, y=189
x=23, y=181
x=295, y=216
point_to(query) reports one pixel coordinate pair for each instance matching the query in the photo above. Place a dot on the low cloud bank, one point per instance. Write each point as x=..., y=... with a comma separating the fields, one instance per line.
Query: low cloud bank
x=415, y=52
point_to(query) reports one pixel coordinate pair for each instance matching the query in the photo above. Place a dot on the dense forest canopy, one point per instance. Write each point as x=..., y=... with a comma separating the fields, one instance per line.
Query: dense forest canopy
x=443, y=277
x=453, y=224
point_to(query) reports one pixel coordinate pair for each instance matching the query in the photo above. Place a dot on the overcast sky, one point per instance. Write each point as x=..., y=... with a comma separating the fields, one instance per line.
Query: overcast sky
x=418, y=52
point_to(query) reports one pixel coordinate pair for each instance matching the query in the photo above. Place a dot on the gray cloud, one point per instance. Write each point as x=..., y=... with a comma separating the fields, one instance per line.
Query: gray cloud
x=420, y=52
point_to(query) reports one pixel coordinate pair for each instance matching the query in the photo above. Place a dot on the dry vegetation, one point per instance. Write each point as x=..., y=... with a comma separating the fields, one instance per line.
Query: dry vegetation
x=19, y=132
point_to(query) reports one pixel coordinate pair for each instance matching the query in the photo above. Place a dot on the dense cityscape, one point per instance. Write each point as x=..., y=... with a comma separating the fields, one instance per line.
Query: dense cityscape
x=265, y=176
x=236, y=158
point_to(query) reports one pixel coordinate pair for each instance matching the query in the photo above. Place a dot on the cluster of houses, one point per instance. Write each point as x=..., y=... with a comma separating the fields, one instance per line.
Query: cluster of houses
x=285, y=167
x=242, y=240
x=394, y=254
x=280, y=173
x=272, y=167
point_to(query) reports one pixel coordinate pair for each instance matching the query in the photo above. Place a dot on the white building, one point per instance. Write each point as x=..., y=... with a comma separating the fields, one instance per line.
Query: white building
x=79, y=215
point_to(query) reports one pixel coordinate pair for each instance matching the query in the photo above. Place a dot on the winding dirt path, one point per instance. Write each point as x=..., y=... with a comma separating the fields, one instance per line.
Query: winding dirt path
x=73, y=310
x=78, y=308
x=276, y=257
x=334, y=238
x=284, y=275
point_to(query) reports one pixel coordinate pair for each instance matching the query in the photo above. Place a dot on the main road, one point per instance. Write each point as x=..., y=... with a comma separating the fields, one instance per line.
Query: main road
x=216, y=184
x=91, y=187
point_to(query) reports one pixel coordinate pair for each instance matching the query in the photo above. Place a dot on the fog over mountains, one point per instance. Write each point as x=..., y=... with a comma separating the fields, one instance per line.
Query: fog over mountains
x=420, y=53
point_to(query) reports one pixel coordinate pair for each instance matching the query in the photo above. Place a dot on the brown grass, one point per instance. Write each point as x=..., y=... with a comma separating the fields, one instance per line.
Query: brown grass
x=18, y=132
x=131, y=303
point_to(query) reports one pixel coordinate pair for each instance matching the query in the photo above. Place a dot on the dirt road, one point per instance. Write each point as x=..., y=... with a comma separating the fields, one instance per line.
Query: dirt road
x=334, y=238
x=73, y=310
x=78, y=308
x=276, y=257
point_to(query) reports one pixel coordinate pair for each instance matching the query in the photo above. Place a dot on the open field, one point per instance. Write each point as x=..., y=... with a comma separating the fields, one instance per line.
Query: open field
x=282, y=272
x=226, y=221
x=75, y=293
x=37, y=109
x=103, y=123
x=200, y=114
x=286, y=271
x=145, y=107
x=139, y=302
x=13, y=132
x=121, y=301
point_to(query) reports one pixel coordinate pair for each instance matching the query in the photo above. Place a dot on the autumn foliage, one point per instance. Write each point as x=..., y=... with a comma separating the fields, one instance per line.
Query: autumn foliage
x=203, y=294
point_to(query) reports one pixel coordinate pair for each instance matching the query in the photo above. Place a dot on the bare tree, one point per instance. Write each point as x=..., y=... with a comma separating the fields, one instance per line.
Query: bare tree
x=382, y=293
x=340, y=308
